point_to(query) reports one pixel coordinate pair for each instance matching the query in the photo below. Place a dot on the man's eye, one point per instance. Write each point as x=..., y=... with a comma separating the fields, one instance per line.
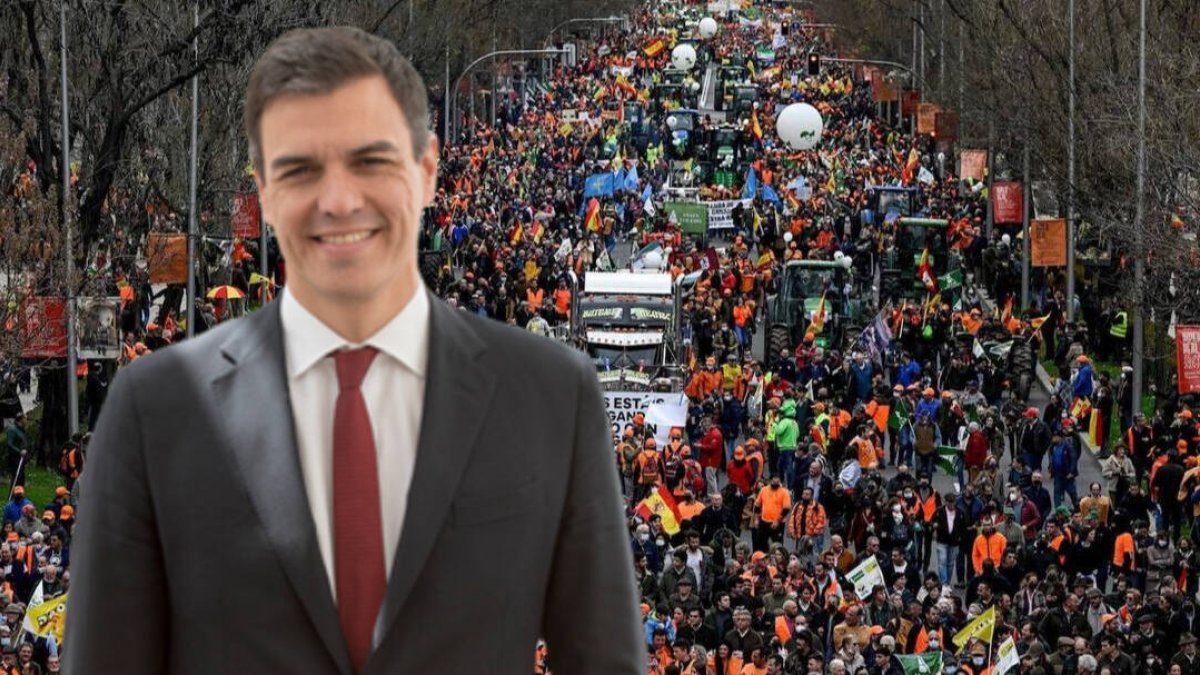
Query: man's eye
x=373, y=161
x=293, y=172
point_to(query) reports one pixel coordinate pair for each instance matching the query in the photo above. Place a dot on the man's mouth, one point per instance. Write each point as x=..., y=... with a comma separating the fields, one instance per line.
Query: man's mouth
x=346, y=238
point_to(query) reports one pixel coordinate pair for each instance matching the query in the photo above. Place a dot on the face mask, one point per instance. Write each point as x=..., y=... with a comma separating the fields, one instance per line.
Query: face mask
x=908, y=494
x=978, y=661
x=643, y=537
x=897, y=517
x=1162, y=543
x=951, y=670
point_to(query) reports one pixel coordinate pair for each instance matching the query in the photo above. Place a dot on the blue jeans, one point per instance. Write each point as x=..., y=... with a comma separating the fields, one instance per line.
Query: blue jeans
x=925, y=463
x=946, y=554
x=1062, y=484
x=730, y=444
x=743, y=335
x=787, y=467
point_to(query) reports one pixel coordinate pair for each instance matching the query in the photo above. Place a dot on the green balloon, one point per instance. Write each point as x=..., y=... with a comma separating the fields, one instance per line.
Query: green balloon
x=927, y=332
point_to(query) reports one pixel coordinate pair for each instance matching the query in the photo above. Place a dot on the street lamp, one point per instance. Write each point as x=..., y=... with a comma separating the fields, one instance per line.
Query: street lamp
x=596, y=19
x=452, y=122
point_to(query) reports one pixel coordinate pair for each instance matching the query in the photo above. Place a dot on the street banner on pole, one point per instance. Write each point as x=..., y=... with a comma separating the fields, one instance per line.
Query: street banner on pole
x=167, y=257
x=1048, y=242
x=972, y=164
x=1187, y=358
x=1007, y=202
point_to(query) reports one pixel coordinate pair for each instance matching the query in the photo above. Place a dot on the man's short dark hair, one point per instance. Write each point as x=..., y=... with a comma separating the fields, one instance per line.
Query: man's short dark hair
x=317, y=61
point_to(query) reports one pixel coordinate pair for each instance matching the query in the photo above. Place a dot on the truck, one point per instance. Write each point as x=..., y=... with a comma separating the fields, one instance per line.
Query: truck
x=630, y=326
x=802, y=284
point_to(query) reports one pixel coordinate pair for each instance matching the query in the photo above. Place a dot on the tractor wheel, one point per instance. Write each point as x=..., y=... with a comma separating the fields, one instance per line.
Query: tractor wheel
x=778, y=339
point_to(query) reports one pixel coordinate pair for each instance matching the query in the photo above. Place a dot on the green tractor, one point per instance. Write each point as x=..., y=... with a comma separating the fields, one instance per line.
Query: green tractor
x=899, y=279
x=802, y=284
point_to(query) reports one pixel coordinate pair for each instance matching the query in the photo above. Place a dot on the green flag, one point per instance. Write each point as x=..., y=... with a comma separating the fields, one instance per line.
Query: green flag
x=947, y=457
x=929, y=663
x=951, y=280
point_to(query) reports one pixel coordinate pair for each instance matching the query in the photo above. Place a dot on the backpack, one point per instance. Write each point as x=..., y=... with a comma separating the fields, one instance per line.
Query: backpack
x=649, y=471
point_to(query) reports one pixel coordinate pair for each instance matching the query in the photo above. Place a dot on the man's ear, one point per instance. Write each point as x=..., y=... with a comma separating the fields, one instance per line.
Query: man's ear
x=429, y=168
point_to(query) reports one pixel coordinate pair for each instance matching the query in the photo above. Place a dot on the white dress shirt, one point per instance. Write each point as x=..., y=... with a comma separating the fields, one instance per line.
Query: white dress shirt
x=394, y=391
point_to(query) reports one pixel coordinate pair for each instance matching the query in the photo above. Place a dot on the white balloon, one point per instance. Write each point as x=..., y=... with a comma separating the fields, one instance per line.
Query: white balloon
x=847, y=261
x=800, y=126
x=838, y=255
x=787, y=236
x=672, y=121
x=1006, y=239
x=683, y=56
x=708, y=27
x=653, y=260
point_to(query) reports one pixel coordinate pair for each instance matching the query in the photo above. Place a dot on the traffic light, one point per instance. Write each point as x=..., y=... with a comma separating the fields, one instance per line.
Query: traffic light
x=814, y=64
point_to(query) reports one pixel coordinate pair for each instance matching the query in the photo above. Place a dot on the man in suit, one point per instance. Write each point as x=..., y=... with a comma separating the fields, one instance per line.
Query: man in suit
x=346, y=482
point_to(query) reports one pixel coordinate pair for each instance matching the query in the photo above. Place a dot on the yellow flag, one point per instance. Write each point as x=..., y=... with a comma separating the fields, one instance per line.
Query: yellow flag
x=50, y=617
x=982, y=627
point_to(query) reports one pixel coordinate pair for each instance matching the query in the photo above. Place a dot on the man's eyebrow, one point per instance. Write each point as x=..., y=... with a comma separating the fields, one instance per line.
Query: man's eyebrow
x=368, y=149
x=373, y=148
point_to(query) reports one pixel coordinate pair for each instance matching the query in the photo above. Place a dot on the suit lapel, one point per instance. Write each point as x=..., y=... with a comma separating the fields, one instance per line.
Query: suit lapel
x=447, y=436
x=251, y=395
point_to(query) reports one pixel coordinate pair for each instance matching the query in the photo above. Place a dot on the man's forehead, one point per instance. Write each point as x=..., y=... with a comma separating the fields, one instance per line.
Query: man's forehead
x=357, y=114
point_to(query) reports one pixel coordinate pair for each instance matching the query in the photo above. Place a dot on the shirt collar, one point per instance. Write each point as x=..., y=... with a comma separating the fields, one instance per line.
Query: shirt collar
x=307, y=339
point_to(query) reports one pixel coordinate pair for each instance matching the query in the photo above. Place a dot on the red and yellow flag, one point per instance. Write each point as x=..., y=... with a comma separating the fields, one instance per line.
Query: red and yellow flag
x=755, y=127
x=655, y=48
x=1037, y=323
x=515, y=236
x=818, y=320
x=910, y=166
x=539, y=231
x=661, y=503
x=925, y=272
x=591, y=219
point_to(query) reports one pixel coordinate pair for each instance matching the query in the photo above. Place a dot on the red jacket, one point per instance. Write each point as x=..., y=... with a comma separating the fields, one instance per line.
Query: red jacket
x=977, y=449
x=741, y=475
x=712, y=449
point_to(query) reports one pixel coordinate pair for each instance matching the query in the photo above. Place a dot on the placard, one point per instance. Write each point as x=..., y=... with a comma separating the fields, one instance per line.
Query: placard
x=1048, y=242
x=927, y=118
x=99, y=334
x=244, y=221
x=44, y=328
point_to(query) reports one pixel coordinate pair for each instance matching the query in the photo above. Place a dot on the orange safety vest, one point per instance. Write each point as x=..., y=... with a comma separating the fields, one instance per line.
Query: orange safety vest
x=922, y=643
x=1122, y=546
x=535, y=296
x=784, y=629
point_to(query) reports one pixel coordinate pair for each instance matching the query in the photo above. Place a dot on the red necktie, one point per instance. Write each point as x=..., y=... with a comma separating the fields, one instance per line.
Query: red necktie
x=357, y=521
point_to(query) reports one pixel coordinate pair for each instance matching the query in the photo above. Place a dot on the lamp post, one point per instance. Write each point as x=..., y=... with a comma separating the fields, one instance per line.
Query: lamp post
x=452, y=122
x=1139, y=264
x=595, y=19
x=68, y=246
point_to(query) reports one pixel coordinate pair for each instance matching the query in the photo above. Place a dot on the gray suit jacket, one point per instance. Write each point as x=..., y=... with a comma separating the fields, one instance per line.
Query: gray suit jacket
x=195, y=550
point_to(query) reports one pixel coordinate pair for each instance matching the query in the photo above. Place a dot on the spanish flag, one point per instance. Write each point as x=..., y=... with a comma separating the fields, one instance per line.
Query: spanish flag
x=755, y=127
x=515, y=236
x=591, y=219
x=1012, y=324
x=818, y=320
x=925, y=272
x=1037, y=323
x=910, y=166
x=661, y=503
x=655, y=48
x=539, y=231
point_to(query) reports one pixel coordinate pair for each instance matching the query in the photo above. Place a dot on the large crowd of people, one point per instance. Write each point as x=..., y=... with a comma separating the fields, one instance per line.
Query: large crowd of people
x=836, y=508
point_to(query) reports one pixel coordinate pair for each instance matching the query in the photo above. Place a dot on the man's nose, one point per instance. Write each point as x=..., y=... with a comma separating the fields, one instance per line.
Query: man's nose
x=338, y=194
